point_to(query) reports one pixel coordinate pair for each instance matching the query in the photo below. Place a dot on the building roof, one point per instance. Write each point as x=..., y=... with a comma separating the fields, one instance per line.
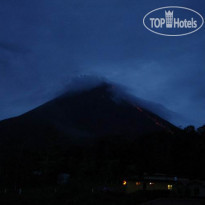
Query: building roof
x=155, y=178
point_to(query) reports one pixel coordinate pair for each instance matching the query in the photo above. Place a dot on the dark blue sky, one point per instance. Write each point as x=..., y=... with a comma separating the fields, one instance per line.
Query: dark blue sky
x=45, y=43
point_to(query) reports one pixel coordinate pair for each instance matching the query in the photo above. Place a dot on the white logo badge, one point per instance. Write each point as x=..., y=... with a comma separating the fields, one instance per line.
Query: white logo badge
x=173, y=21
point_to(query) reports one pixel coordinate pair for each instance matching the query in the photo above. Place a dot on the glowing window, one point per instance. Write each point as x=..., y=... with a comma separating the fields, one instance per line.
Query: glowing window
x=137, y=183
x=124, y=183
x=169, y=187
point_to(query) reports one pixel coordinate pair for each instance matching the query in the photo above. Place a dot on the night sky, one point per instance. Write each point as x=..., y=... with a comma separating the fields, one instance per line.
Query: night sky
x=46, y=43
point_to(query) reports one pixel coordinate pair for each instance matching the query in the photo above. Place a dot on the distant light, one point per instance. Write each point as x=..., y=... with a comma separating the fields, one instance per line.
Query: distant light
x=138, y=183
x=151, y=183
x=169, y=186
x=124, y=183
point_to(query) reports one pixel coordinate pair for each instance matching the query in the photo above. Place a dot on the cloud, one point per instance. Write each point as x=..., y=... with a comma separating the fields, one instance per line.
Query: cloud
x=13, y=48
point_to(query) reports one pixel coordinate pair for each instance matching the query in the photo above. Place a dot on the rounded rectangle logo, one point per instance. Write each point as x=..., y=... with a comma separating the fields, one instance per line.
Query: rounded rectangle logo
x=173, y=21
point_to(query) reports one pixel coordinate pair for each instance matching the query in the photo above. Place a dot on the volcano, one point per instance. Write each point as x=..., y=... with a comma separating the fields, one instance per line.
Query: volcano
x=83, y=115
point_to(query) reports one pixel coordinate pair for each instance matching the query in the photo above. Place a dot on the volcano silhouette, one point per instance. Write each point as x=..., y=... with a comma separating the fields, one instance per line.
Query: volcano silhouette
x=83, y=115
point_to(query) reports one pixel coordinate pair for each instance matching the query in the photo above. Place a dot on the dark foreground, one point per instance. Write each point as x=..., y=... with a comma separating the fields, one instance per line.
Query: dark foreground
x=74, y=195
